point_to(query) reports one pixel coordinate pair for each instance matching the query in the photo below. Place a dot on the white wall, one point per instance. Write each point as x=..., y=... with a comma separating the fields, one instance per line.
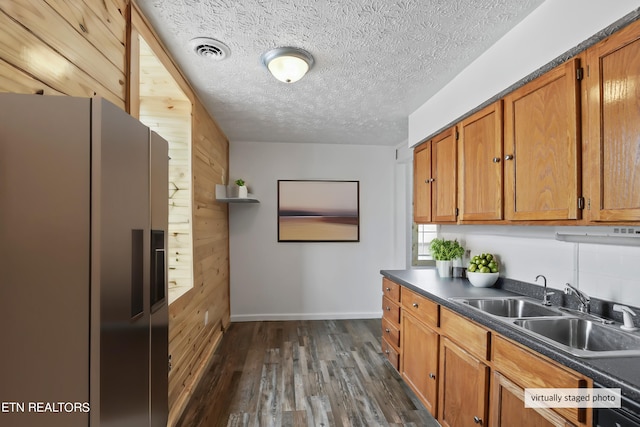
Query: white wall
x=602, y=271
x=271, y=280
x=552, y=29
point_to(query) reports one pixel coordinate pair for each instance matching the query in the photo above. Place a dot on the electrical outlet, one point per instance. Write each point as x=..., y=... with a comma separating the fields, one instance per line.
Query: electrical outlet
x=206, y=317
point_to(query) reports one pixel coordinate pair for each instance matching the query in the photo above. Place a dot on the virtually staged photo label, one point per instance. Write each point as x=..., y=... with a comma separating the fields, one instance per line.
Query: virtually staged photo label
x=572, y=398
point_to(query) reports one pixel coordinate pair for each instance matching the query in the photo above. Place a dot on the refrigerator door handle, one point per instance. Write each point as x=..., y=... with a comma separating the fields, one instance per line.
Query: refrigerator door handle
x=158, y=269
x=137, y=273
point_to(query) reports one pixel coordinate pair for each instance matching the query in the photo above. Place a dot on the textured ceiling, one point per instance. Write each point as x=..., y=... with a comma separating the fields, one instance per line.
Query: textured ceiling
x=376, y=61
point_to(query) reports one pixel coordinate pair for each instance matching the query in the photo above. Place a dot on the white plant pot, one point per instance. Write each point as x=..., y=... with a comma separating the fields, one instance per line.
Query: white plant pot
x=444, y=268
x=242, y=192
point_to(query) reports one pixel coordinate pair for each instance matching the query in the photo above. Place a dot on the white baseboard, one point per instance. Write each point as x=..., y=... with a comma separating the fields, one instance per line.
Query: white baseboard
x=304, y=316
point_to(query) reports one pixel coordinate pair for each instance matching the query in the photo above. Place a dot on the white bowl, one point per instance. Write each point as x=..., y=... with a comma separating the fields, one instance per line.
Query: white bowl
x=482, y=280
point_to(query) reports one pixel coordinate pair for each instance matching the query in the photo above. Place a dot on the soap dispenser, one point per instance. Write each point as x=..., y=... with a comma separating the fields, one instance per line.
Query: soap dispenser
x=626, y=315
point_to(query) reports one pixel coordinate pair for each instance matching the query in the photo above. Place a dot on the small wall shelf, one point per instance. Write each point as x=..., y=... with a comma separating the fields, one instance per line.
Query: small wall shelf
x=229, y=194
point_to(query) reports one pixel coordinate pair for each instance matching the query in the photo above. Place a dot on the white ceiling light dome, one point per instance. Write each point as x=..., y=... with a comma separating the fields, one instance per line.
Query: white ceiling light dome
x=287, y=64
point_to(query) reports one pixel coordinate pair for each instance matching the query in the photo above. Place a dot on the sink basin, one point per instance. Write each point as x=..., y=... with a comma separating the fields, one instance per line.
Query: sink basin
x=510, y=307
x=583, y=337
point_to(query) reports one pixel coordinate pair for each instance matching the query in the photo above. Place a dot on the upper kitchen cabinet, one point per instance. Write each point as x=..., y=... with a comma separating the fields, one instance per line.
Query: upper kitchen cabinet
x=435, y=179
x=542, y=147
x=613, y=139
x=481, y=173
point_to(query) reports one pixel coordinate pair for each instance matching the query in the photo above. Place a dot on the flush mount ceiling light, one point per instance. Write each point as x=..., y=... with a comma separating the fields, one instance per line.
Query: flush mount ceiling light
x=287, y=64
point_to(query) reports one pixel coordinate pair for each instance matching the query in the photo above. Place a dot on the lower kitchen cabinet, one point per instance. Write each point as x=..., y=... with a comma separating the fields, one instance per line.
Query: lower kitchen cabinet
x=507, y=407
x=466, y=374
x=391, y=322
x=464, y=387
x=529, y=370
x=420, y=360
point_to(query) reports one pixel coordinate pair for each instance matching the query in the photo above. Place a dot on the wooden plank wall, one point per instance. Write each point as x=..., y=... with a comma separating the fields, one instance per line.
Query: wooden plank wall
x=79, y=48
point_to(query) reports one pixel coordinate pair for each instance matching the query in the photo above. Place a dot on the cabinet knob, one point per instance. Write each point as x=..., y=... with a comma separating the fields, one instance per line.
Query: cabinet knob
x=477, y=420
x=432, y=375
x=415, y=305
x=432, y=180
x=388, y=289
x=387, y=351
x=508, y=157
x=387, y=330
x=388, y=308
x=496, y=160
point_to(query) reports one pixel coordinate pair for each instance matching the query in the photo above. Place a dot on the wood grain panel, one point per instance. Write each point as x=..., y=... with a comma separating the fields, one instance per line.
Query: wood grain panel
x=391, y=290
x=391, y=332
x=444, y=170
x=542, y=138
x=422, y=185
x=70, y=47
x=87, y=24
x=530, y=370
x=613, y=93
x=508, y=408
x=421, y=307
x=481, y=172
x=464, y=387
x=390, y=311
x=419, y=365
x=472, y=337
x=15, y=81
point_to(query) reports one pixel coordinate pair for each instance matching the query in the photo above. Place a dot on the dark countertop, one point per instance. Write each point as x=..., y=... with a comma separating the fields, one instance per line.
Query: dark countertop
x=618, y=372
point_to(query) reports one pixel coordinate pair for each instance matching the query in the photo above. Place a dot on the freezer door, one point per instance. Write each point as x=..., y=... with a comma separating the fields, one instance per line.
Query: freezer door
x=44, y=260
x=159, y=354
x=120, y=197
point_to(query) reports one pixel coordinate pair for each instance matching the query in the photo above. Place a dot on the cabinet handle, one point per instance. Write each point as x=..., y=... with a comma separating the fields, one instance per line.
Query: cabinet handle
x=496, y=160
x=477, y=420
x=388, y=289
x=432, y=375
x=388, y=308
x=387, y=330
x=415, y=304
x=432, y=180
x=508, y=157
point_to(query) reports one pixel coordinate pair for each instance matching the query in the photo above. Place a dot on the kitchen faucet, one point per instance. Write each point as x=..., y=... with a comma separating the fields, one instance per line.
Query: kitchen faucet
x=545, y=294
x=582, y=297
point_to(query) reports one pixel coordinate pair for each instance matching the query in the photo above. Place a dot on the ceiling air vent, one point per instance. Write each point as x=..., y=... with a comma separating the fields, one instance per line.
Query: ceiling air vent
x=210, y=48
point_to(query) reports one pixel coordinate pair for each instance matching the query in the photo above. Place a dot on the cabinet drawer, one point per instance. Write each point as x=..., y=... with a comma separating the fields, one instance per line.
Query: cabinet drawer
x=390, y=289
x=391, y=354
x=421, y=307
x=470, y=336
x=390, y=311
x=391, y=332
x=530, y=370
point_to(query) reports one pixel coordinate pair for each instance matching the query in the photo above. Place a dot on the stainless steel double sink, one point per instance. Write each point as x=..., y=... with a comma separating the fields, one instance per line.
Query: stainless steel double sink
x=576, y=333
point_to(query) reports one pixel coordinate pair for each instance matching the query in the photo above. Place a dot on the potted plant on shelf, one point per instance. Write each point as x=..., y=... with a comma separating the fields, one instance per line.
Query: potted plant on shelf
x=444, y=252
x=242, y=188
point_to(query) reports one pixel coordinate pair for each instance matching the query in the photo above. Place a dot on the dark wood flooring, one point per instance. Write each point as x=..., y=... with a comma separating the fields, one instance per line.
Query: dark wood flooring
x=303, y=373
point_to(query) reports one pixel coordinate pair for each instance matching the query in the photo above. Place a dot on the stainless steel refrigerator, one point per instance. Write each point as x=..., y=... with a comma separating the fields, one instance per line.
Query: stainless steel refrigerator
x=83, y=290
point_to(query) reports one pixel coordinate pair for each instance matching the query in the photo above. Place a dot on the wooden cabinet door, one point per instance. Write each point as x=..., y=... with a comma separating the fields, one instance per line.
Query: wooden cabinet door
x=444, y=170
x=507, y=407
x=420, y=360
x=422, y=183
x=464, y=388
x=613, y=91
x=541, y=140
x=481, y=165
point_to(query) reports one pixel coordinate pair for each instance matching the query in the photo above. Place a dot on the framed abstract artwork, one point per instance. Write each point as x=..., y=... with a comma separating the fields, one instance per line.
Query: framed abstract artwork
x=318, y=211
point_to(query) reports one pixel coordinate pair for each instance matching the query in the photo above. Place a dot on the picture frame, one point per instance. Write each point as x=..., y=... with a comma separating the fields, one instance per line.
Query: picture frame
x=318, y=211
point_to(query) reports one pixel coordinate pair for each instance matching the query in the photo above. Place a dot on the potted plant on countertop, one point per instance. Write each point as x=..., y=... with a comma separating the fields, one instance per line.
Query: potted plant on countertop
x=444, y=252
x=242, y=188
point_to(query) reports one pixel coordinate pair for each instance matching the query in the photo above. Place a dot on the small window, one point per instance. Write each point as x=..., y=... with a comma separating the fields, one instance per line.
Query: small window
x=422, y=234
